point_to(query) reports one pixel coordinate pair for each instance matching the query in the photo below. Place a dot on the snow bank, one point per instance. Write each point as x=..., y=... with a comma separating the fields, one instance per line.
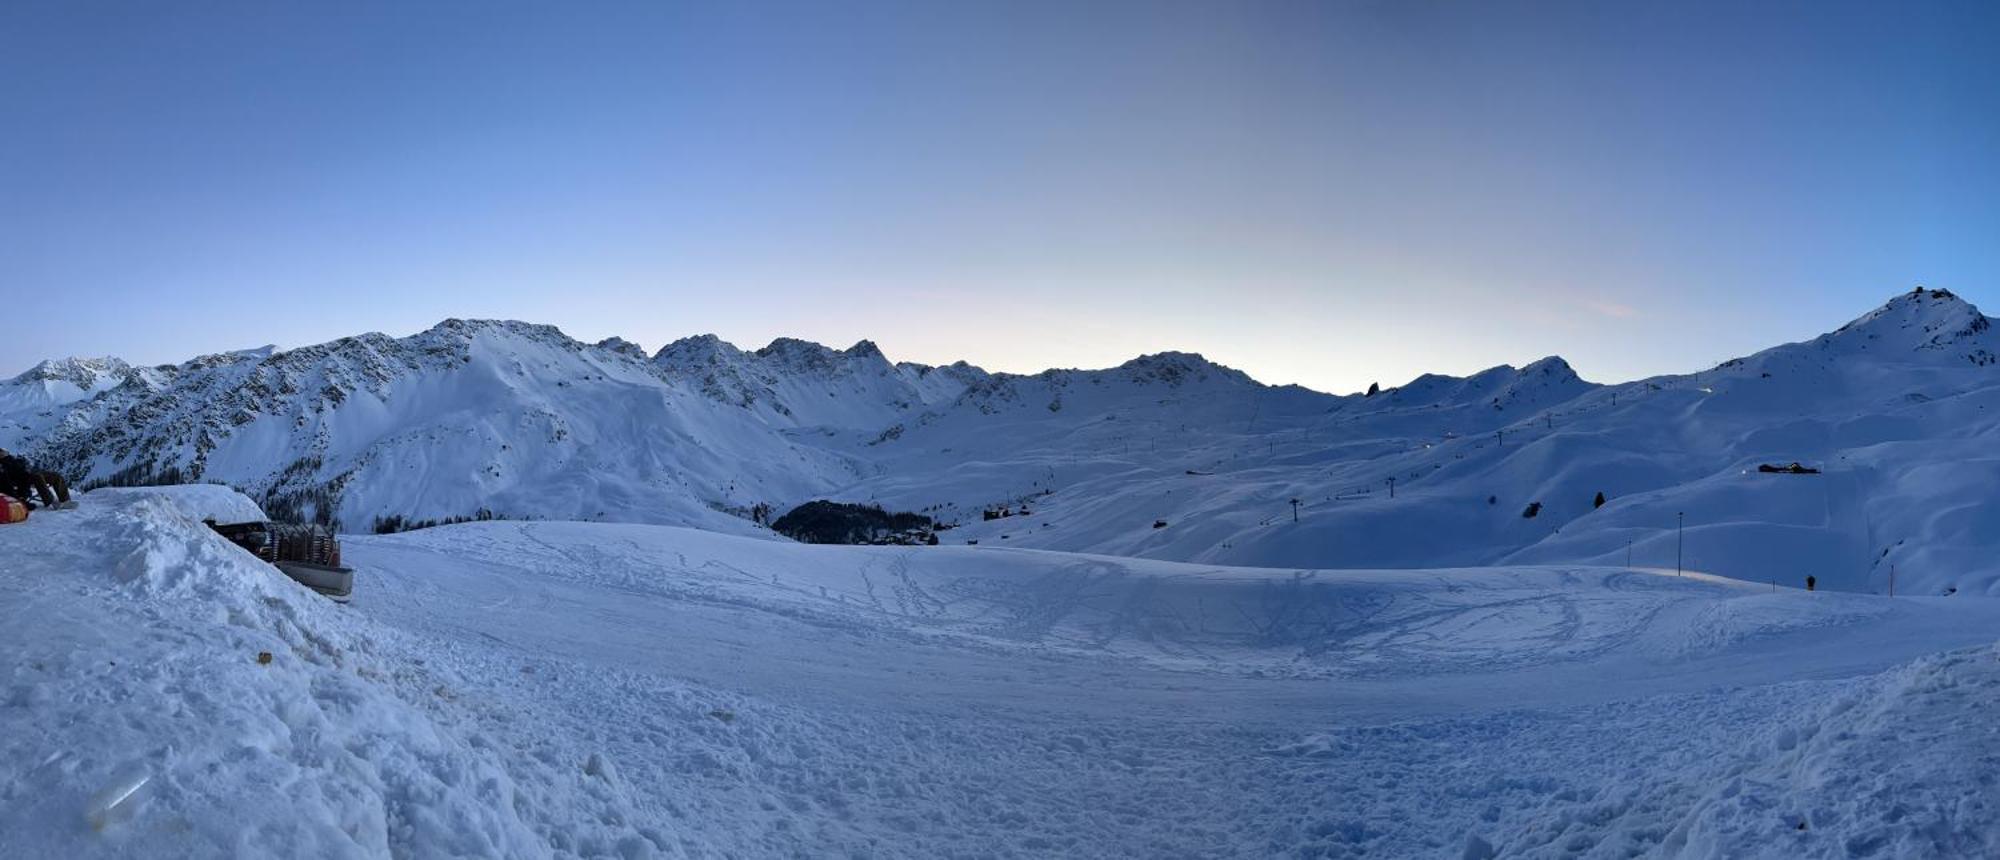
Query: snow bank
x=1894, y=765
x=1900, y=767
x=198, y=501
x=170, y=695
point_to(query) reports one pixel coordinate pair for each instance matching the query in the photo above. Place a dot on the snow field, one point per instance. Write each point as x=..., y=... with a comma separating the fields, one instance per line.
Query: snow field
x=594, y=690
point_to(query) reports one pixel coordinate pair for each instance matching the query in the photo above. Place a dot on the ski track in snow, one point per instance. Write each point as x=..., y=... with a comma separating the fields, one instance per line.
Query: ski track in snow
x=557, y=689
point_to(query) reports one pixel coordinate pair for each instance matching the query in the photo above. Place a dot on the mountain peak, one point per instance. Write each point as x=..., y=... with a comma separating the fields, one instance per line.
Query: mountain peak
x=81, y=372
x=1173, y=357
x=455, y=327
x=793, y=346
x=1920, y=319
x=697, y=351
x=1551, y=366
x=1174, y=368
x=622, y=346
x=804, y=355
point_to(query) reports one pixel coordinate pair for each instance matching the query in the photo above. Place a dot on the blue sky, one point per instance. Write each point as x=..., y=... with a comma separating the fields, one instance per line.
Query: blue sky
x=1322, y=193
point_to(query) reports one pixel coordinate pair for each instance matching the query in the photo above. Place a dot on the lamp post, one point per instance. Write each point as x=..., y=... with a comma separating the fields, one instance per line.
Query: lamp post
x=1680, y=529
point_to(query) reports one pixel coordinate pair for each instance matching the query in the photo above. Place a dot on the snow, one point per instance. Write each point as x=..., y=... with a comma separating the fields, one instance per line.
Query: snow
x=1898, y=408
x=518, y=420
x=32, y=403
x=629, y=665
x=533, y=689
x=197, y=501
x=134, y=635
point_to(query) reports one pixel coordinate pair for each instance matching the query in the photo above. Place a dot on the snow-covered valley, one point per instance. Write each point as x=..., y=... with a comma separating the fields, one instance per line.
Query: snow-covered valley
x=581, y=689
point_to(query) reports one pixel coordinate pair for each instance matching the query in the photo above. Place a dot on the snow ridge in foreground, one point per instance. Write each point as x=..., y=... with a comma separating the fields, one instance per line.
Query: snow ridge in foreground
x=135, y=638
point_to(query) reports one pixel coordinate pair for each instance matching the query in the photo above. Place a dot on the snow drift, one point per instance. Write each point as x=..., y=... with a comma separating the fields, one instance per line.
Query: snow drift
x=170, y=695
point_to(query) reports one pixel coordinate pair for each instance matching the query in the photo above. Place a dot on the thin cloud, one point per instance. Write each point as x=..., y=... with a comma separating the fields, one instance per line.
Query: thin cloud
x=1612, y=309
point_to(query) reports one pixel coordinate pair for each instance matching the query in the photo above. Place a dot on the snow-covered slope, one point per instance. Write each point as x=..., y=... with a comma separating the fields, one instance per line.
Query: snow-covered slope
x=510, y=418
x=1169, y=456
x=34, y=401
x=589, y=690
x=1898, y=409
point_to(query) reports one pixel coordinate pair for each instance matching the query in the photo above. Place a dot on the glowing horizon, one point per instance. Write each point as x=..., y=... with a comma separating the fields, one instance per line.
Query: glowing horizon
x=1319, y=195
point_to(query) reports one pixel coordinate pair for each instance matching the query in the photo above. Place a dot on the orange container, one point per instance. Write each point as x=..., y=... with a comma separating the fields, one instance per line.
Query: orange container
x=12, y=510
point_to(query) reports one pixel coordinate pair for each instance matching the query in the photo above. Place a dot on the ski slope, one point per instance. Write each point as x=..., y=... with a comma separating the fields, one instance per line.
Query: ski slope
x=1899, y=410
x=592, y=689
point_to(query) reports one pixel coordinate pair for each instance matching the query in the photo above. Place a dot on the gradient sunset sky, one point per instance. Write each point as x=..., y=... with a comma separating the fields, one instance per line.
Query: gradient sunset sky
x=1322, y=193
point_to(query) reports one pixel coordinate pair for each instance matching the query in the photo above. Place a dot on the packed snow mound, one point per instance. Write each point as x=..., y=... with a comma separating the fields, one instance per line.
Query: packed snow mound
x=167, y=694
x=1895, y=765
x=200, y=502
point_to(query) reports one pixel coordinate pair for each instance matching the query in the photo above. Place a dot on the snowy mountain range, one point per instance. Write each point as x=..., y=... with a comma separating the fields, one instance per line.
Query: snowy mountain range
x=1168, y=456
x=586, y=689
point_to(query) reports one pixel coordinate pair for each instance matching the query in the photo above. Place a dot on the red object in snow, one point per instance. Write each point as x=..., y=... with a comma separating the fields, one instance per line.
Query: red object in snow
x=12, y=510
